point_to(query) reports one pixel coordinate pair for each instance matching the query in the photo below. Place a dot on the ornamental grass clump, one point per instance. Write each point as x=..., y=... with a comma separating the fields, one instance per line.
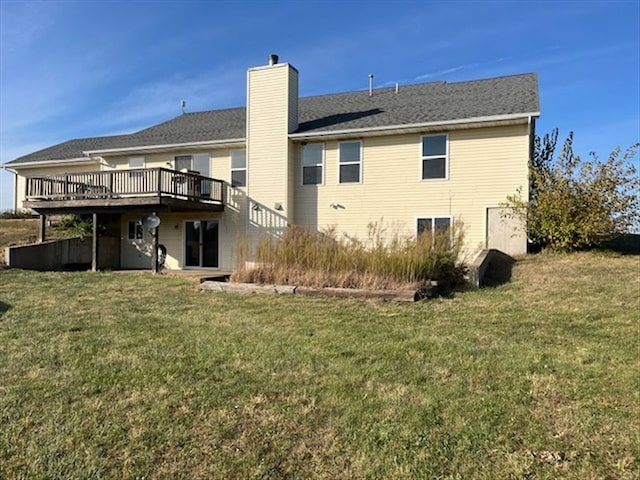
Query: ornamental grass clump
x=324, y=259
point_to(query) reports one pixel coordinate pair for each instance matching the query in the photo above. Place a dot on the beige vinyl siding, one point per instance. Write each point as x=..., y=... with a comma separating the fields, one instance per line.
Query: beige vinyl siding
x=219, y=161
x=485, y=165
x=270, y=107
x=232, y=224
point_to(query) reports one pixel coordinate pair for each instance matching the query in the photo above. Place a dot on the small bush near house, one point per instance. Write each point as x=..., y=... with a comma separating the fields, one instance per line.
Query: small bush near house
x=78, y=225
x=320, y=259
x=18, y=214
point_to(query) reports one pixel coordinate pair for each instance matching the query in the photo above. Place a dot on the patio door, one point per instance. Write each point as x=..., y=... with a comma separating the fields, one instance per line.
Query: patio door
x=201, y=244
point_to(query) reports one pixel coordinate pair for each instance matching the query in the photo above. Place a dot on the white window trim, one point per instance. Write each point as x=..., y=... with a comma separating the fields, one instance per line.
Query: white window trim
x=231, y=169
x=430, y=157
x=433, y=221
x=321, y=164
x=360, y=163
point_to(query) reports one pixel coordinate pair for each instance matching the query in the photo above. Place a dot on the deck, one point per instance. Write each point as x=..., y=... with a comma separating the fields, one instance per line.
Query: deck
x=155, y=189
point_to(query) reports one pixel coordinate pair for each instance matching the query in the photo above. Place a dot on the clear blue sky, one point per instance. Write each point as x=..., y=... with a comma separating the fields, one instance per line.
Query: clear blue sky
x=91, y=68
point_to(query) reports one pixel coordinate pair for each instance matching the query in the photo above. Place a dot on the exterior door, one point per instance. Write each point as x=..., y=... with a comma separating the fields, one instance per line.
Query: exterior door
x=504, y=233
x=136, y=246
x=201, y=244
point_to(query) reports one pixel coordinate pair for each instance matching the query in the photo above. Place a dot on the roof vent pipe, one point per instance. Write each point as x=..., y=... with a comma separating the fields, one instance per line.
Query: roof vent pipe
x=371, y=84
x=273, y=59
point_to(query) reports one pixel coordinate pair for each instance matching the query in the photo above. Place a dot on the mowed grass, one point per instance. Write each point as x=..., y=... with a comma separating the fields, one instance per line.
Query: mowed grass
x=107, y=375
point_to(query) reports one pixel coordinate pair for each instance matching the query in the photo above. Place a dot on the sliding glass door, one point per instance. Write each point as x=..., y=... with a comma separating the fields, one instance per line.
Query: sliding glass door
x=201, y=244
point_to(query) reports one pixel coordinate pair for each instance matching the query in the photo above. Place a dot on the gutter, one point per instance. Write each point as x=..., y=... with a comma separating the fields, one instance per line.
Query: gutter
x=411, y=126
x=39, y=163
x=144, y=148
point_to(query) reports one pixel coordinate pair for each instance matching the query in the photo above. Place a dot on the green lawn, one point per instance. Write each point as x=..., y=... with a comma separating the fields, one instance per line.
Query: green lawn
x=107, y=375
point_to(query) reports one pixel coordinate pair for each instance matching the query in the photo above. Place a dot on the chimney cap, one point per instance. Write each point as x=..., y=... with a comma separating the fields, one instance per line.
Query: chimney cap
x=273, y=59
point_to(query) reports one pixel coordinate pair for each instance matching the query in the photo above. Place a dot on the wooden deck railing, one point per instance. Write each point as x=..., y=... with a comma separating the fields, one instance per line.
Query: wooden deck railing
x=125, y=183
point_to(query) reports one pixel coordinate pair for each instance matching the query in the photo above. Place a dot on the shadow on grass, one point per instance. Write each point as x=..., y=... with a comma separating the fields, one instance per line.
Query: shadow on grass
x=4, y=307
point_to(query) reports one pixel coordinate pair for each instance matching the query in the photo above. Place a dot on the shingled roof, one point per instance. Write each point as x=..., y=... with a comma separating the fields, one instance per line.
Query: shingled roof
x=425, y=103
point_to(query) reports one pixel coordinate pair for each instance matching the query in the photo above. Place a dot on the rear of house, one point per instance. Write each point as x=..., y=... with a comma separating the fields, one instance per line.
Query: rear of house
x=411, y=159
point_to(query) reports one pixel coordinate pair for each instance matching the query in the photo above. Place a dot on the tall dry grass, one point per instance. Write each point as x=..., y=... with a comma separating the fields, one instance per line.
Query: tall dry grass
x=323, y=259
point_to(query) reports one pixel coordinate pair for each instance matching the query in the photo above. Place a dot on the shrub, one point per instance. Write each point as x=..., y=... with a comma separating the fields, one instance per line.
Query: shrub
x=321, y=259
x=574, y=203
x=18, y=214
x=79, y=225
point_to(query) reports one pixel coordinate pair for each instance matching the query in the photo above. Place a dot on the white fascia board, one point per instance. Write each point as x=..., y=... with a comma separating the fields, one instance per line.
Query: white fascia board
x=525, y=117
x=46, y=163
x=169, y=146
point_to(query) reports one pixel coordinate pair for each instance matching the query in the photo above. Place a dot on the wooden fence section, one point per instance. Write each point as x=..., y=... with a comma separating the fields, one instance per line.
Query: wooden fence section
x=125, y=183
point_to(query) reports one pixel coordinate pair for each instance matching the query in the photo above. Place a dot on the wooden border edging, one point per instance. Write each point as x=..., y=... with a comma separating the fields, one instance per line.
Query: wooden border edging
x=392, y=295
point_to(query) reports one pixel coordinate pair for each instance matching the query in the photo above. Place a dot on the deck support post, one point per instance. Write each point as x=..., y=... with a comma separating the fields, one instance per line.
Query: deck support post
x=94, y=244
x=154, y=248
x=42, y=236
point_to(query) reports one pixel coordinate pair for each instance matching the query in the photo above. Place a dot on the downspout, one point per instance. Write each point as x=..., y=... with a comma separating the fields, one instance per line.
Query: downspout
x=532, y=136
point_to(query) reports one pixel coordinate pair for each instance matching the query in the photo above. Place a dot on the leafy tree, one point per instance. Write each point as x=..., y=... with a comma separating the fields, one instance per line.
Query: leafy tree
x=78, y=225
x=574, y=203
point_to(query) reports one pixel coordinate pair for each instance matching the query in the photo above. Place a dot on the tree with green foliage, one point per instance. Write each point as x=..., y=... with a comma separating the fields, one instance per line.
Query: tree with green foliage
x=574, y=203
x=78, y=225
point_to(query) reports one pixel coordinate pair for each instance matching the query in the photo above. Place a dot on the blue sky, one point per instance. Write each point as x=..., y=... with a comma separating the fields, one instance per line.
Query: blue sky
x=91, y=68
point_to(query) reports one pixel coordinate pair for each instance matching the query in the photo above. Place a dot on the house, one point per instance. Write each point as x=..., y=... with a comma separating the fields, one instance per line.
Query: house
x=412, y=157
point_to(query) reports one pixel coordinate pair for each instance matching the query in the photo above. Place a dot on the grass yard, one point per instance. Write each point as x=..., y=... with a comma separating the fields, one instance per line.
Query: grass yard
x=107, y=375
x=15, y=232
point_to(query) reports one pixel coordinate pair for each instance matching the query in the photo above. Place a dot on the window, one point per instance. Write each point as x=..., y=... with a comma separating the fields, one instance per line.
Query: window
x=182, y=162
x=198, y=163
x=312, y=164
x=136, y=162
x=434, y=157
x=350, y=162
x=434, y=225
x=135, y=230
x=239, y=168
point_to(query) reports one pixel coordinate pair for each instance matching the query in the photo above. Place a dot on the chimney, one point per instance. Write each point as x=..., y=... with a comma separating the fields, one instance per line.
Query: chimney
x=272, y=114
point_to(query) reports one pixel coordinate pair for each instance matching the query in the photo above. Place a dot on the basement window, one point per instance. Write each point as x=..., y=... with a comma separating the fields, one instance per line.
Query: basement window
x=434, y=157
x=313, y=164
x=135, y=230
x=434, y=225
x=350, y=160
x=239, y=168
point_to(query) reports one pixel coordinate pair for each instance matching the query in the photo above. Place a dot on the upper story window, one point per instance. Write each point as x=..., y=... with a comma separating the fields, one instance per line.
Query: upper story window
x=434, y=157
x=350, y=159
x=313, y=164
x=239, y=168
x=136, y=162
x=198, y=162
